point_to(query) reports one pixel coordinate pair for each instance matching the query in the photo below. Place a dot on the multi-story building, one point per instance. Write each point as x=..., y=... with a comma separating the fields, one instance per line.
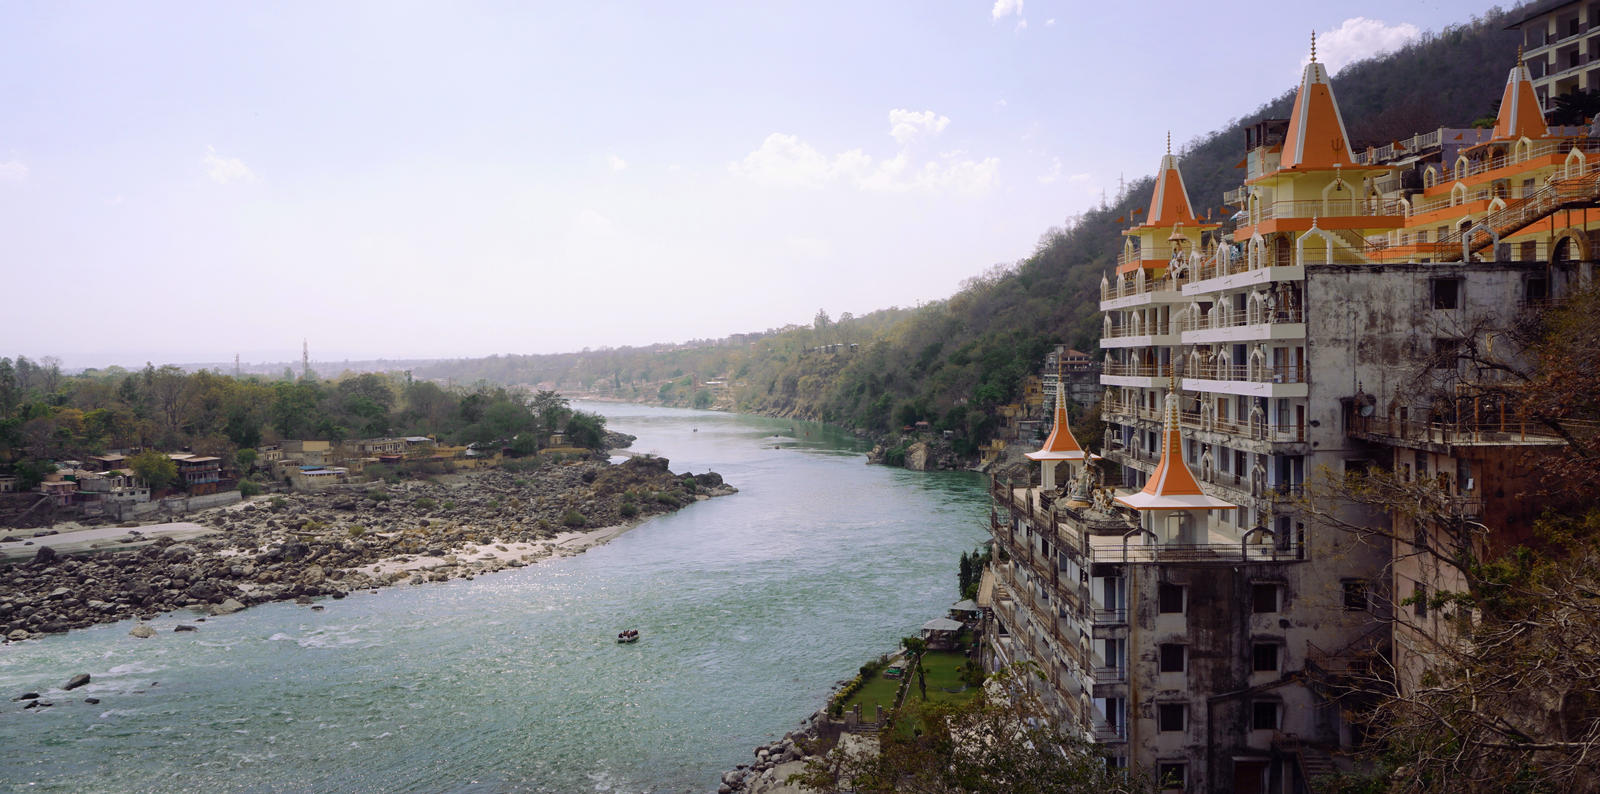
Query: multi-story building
x=1562, y=42
x=1204, y=622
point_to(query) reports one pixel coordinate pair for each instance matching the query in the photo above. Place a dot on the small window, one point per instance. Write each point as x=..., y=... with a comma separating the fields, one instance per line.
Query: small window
x=1264, y=715
x=1445, y=353
x=1170, y=717
x=1172, y=657
x=1355, y=595
x=1264, y=657
x=1171, y=596
x=1446, y=292
x=1419, y=596
x=1264, y=598
x=1536, y=289
x=1171, y=775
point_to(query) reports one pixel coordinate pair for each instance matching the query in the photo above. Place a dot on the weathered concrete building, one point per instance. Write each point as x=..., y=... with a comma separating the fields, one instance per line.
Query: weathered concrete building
x=1203, y=620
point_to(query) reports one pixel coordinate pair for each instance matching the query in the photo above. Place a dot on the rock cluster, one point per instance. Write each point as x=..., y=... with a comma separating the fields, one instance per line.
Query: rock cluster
x=304, y=545
x=752, y=778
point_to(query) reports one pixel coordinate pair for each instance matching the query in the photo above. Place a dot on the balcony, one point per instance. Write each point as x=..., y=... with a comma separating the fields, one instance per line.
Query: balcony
x=1110, y=617
x=1343, y=205
x=1239, y=326
x=1231, y=553
x=1106, y=733
x=1498, y=429
x=1110, y=675
x=1289, y=373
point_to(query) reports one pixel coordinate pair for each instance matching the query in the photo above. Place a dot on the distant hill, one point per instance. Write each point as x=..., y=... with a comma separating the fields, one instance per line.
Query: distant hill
x=952, y=362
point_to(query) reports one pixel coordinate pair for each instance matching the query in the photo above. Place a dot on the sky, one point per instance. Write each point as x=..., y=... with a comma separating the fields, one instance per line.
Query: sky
x=181, y=182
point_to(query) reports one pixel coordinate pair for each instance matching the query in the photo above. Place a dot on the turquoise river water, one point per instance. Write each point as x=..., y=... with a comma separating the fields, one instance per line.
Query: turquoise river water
x=751, y=606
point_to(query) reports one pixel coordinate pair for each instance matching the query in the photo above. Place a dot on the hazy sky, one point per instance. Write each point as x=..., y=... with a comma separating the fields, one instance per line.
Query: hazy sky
x=183, y=181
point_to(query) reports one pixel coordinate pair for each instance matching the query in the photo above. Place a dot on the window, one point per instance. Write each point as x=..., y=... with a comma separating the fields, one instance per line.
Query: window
x=1264, y=715
x=1355, y=595
x=1446, y=292
x=1264, y=657
x=1170, y=775
x=1264, y=598
x=1172, y=657
x=1171, y=596
x=1170, y=717
x=1445, y=352
x=1535, y=290
x=1419, y=604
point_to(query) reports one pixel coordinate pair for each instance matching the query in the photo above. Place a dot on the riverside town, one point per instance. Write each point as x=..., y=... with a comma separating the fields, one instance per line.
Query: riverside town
x=1276, y=472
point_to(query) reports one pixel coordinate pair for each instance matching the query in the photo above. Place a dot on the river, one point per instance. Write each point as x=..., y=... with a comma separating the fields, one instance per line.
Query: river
x=750, y=607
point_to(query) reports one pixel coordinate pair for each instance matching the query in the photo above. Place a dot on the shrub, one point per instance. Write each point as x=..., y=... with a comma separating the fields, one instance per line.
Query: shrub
x=379, y=495
x=425, y=503
x=628, y=510
x=573, y=518
x=448, y=504
x=278, y=502
x=356, y=530
x=249, y=488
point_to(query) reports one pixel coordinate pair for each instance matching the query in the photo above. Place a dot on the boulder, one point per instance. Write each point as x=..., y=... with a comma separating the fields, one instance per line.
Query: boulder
x=76, y=681
x=142, y=631
x=44, y=556
x=26, y=696
x=184, y=627
x=227, y=607
x=178, y=552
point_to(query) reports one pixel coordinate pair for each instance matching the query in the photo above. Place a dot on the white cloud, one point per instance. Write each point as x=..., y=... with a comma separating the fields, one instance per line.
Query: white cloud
x=617, y=163
x=223, y=170
x=1005, y=8
x=906, y=124
x=1000, y=104
x=1359, y=37
x=590, y=223
x=1022, y=24
x=1050, y=23
x=13, y=171
x=786, y=161
x=1054, y=173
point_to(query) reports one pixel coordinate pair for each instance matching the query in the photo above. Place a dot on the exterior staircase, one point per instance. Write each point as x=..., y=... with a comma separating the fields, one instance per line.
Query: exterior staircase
x=1315, y=763
x=1578, y=191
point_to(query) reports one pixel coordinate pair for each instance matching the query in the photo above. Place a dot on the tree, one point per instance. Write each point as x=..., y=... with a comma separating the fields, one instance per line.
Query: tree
x=1003, y=741
x=586, y=430
x=245, y=459
x=157, y=470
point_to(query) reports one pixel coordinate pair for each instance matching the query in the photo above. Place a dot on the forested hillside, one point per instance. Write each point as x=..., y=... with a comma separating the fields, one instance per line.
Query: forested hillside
x=952, y=362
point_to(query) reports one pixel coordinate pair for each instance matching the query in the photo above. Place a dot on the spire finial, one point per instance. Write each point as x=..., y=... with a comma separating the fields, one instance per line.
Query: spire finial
x=1169, y=142
x=1313, y=46
x=1520, y=61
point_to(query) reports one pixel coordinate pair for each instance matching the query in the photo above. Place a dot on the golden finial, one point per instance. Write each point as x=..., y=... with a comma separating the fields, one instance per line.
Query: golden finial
x=1519, y=54
x=1169, y=142
x=1313, y=46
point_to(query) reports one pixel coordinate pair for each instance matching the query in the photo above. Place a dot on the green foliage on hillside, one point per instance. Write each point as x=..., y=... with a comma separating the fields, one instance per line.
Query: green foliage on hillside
x=952, y=362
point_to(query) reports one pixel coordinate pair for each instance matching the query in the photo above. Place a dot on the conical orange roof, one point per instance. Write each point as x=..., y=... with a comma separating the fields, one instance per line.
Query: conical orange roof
x=1061, y=445
x=1172, y=486
x=1520, y=114
x=1317, y=137
x=1169, y=204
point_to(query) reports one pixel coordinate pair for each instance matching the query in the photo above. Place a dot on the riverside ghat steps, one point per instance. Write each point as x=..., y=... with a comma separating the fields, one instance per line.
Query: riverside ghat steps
x=331, y=543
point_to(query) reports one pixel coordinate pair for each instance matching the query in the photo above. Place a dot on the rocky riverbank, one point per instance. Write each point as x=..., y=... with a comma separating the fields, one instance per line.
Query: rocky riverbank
x=333, y=542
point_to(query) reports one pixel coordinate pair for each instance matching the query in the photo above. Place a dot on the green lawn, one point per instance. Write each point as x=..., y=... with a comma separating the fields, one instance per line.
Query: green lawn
x=876, y=691
x=942, y=671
